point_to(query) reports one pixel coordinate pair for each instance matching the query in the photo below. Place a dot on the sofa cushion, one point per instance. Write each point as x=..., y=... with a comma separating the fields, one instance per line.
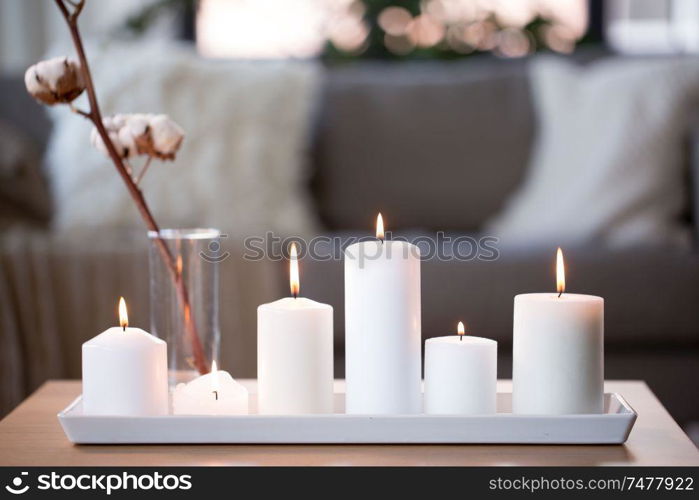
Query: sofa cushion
x=609, y=163
x=430, y=144
x=241, y=167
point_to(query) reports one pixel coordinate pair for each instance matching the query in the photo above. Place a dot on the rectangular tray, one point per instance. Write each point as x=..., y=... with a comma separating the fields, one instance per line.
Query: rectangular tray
x=611, y=427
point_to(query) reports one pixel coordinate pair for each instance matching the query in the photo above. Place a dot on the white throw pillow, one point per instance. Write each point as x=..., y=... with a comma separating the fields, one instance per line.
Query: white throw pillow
x=609, y=163
x=241, y=167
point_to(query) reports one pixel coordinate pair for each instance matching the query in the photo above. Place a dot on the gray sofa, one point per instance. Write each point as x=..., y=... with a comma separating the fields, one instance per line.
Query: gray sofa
x=440, y=147
x=434, y=146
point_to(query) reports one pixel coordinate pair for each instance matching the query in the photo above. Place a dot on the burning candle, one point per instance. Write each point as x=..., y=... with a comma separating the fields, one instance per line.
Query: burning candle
x=125, y=371
x=558, y=351
x=382, y=326
x=460, y=374
x=215, y=393
x=295, y=352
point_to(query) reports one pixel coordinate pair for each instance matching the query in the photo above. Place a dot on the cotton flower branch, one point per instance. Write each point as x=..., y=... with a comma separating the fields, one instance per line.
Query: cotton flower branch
x=60, y=81
x=153, y=136
x=133, y=135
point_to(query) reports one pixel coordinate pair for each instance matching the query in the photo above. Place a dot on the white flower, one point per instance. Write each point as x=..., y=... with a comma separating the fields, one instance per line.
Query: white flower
x=57, y=80
x=141, y=134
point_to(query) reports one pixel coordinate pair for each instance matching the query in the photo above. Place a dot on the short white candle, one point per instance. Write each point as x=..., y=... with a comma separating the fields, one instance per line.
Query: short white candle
x=295, y=353
x=382, y=327
x=215, y=393
x=460, y=375
x=558, y=352
x=124, y=372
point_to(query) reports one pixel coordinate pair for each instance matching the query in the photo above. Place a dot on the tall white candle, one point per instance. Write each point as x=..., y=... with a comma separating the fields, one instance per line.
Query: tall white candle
x=382, y=327
x=124, y=372
x=460, y=375
x=558, y=352
x=295, y=353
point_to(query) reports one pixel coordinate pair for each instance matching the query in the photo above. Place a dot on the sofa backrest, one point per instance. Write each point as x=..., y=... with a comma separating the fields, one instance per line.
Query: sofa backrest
x=429, y=144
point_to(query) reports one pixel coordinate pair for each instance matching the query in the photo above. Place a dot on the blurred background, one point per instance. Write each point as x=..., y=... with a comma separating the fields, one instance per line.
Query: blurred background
x=539, y=122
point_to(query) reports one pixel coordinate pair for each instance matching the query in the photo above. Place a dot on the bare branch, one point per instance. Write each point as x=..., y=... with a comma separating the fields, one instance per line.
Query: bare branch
x=128, y=167
x=95, y=116
x=78, y=9
x=80, y=111
x=143, y=170
x=64, y=10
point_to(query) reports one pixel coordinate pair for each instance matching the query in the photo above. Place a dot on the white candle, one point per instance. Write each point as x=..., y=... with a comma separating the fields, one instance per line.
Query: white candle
x=215, y=393
x=460, y=375
x=295, y=353
x=125, y=372
x=382, y=327
x=558, y=352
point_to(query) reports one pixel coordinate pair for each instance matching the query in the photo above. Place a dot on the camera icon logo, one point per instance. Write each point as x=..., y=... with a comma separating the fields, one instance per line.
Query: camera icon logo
x=213, y=253
x=16, y=487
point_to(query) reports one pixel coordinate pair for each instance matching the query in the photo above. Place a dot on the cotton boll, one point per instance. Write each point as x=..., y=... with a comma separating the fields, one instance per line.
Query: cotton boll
x=116, y=121
x=127, y=142
x=166, y=136
x=137, y=127
x=122, y=150
x=36, y=88
x=96, y=141
x=137, y=124
x=141, y=134
x=57, y=80
x=124, y=145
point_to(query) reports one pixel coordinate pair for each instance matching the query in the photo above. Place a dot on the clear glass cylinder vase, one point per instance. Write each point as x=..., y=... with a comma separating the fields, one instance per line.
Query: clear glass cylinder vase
x=184, y=298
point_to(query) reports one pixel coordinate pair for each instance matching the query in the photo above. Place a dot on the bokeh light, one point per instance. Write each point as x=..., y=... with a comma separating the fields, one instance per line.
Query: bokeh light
x=395, y=20
x=513, y=42
x=425, y=31
x=349, y=34
x=302, y=28
x=400, y=45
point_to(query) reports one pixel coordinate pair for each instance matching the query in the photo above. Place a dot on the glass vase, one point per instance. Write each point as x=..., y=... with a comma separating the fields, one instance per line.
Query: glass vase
x=184, y=302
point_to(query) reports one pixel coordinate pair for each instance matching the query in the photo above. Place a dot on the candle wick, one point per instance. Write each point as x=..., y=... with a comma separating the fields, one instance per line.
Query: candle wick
x=296, y=295
x=560, y=293
x=215, y=394
x=461, y=337
x=123, y=327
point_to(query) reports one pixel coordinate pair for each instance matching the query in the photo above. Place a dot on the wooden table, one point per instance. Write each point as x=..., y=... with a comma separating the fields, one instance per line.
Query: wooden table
x=31, y=435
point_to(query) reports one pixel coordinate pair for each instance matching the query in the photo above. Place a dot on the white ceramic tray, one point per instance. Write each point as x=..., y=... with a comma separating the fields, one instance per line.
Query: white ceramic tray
x=611, y=427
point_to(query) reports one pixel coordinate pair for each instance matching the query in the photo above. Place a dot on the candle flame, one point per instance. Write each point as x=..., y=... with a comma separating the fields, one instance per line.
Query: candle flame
x=379, y=227
x=460, y=329
x=294, y=282
x=560, y=273
x=123, y=314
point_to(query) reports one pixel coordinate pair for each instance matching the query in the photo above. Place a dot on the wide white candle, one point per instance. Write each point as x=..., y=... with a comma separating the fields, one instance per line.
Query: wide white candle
x=295, y=353
x=215, y=393
x=382, y=327
x=124, y=372
x=460, y=375
x=558, y=352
